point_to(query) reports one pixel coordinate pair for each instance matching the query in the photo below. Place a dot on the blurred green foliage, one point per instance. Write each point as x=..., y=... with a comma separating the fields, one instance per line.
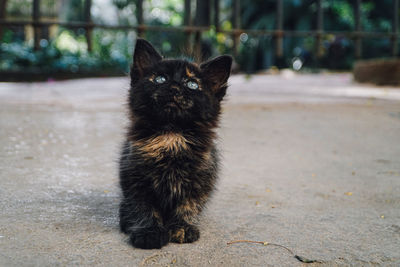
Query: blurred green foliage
x=68, y=54
x=112, y=50
x=338, y=51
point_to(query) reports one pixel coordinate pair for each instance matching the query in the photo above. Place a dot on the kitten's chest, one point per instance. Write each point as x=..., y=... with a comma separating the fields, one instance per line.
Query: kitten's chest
x=174, y=180
x=176, y=166
x=164, y=147
x=177, y=178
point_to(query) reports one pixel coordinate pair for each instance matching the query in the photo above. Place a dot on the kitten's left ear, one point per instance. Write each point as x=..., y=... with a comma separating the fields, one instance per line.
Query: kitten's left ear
x=145, y=56
x=217, y=72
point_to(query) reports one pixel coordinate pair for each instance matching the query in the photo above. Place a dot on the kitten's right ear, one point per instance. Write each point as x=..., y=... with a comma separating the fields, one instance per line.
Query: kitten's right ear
x=145, y=56
x=217, y=72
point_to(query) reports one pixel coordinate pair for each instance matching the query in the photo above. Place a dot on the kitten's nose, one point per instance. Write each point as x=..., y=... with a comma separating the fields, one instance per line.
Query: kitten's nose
x=176, y=88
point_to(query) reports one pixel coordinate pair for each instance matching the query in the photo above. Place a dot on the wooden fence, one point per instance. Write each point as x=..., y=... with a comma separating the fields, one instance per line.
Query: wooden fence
x=203, y=21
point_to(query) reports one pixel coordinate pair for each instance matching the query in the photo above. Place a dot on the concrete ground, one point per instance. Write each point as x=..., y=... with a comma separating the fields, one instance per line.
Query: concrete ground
x=310, y=162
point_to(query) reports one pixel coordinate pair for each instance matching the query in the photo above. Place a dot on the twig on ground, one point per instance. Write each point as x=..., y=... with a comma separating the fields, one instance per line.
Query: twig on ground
x=297, y=257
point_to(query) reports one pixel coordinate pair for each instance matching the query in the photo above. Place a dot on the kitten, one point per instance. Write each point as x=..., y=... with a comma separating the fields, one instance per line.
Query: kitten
x=169, y=163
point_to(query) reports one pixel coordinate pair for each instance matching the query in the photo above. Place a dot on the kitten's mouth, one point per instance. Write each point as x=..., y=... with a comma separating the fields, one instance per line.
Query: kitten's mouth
x=182, y=102
x=172, y=105
x=176, y=102
x=167, y=104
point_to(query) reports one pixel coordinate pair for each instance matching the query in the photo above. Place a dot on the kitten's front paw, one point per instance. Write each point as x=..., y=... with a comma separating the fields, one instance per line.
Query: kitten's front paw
x=192, y=233
x=149, y=238
x=185, y=234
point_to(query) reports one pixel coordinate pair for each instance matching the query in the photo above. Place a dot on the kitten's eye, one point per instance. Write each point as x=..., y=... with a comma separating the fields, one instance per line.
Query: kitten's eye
x=160, y=79
x=192, y=85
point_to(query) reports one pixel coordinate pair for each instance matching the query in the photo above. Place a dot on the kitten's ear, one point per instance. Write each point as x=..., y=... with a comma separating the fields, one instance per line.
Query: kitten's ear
x=217, y=72
x=145, y=56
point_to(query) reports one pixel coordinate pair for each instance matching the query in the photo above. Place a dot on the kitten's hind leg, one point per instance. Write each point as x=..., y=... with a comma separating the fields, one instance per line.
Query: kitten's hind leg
x=143, y=225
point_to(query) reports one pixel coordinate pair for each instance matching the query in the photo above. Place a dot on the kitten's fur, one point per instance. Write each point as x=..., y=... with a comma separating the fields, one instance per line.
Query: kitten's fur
x=169, y=163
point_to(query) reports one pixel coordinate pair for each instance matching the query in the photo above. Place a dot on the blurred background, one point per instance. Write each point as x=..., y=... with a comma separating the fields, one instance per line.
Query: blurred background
x=55, y=39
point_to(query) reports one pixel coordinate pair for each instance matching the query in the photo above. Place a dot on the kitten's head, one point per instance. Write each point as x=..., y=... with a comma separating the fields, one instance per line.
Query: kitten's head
x=176, y=91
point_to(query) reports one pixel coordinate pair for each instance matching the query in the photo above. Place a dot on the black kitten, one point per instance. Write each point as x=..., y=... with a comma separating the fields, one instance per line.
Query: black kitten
x=169, y=163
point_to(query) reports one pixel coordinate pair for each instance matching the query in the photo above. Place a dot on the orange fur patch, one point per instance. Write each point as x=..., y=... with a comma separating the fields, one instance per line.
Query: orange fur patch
x=158, y=217
x=157, y=145
x=189, y=73
x=207, y=156
x=178, y=235
x=188, y=210
x=152, y=77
